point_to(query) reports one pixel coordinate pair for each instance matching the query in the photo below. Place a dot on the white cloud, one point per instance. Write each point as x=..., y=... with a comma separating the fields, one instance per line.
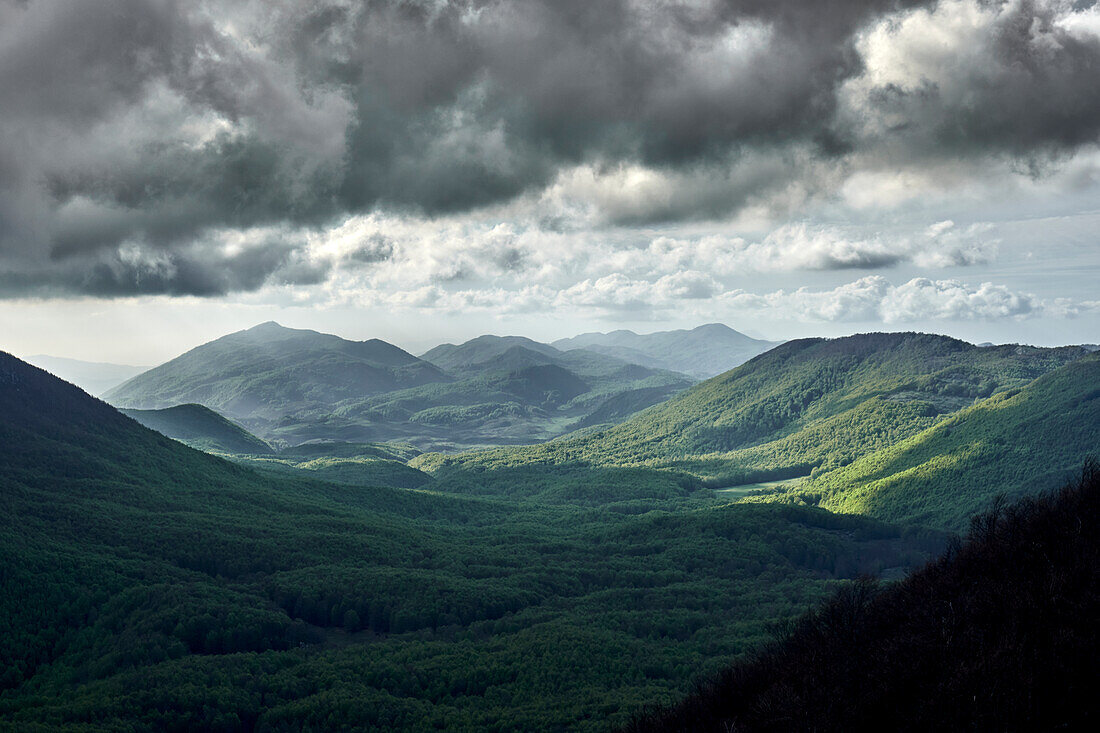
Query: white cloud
x=874, y=298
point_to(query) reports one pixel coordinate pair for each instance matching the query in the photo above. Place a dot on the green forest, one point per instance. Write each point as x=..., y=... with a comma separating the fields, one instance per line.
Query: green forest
x=569, y=585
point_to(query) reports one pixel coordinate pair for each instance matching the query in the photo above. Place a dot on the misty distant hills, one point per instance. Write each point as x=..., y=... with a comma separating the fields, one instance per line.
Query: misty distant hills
x=267, y=372
x=702, y=352
x=292, y=386
x=200, y=427
x=93, y=377
x=504, y=352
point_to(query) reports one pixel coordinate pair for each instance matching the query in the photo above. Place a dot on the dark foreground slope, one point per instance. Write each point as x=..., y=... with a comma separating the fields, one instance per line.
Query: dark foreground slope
x=1000, y=634
x=148, y=586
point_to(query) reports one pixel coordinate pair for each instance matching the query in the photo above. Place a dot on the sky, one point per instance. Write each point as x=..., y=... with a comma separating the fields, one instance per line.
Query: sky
x=425, y=171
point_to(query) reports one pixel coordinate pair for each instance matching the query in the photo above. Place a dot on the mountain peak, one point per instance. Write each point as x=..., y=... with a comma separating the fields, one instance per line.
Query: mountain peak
x=716, y=328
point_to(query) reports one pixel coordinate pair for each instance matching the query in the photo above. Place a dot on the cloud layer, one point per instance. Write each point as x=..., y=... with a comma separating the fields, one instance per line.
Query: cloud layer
x=205, y=148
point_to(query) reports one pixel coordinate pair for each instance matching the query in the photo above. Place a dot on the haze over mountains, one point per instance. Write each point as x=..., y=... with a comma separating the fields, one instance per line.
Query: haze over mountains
x=702, y=352
x=95, y=378
x=291, y=385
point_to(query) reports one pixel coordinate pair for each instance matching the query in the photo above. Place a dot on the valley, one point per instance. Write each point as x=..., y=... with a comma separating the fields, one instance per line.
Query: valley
x=336, y=582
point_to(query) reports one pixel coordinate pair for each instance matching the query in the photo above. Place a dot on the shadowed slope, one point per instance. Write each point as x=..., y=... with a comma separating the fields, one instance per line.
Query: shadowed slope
x=999, y=635
x=201, y=428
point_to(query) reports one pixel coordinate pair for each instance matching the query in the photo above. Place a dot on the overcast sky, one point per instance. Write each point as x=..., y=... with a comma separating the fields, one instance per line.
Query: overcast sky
x=426, y=171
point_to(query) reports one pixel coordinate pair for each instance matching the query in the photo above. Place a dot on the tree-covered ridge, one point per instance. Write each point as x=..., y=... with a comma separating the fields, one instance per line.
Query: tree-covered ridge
x=998, y=634
x=145, y=585
x=1007, y=444
x=804, y=404
x=201, y=428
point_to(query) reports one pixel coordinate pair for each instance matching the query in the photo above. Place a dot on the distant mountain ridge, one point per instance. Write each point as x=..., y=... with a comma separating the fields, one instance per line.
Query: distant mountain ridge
x=292, y=386
x=701, y=352
x=482, y=350
x=93, y=377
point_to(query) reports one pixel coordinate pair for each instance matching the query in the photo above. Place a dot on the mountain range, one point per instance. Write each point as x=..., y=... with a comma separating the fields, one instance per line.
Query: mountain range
x=828, y=410
x=702, y=352
x=290, y=386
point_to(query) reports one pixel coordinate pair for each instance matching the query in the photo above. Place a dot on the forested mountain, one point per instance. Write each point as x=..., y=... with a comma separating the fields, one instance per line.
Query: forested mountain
x=805, y=405
x=999, y=634
x=145, y=585
x=200, y=427
x=91, y=376
x=290, y=386
x=702, y=352
x=1007, y=444
x=269, y=371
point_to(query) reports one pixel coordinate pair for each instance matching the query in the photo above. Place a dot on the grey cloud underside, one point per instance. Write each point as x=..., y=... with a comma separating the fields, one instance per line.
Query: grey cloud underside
x=154, y=125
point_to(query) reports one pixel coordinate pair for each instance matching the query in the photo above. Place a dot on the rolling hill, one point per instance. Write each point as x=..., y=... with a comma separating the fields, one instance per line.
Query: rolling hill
x=702, y=352
x=201, y=428
x=290, y=386
x=805, y=405
x=1006, y=445
x=354, y=464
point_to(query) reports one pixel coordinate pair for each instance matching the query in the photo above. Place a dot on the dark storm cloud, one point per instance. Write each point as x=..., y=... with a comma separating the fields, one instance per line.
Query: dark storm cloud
x=375, y=248
x=196, y=269
x=156, y=126
x=1029, y=98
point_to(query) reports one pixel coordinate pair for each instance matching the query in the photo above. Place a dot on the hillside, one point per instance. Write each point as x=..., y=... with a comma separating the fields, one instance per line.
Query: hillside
x=812, y=403
x=1007, y=444
x=145, y=585
x=201, y=428
x=354, y=464
x=93, y=377
x=702, y=352
x=1000, y=634
x=290, y=386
